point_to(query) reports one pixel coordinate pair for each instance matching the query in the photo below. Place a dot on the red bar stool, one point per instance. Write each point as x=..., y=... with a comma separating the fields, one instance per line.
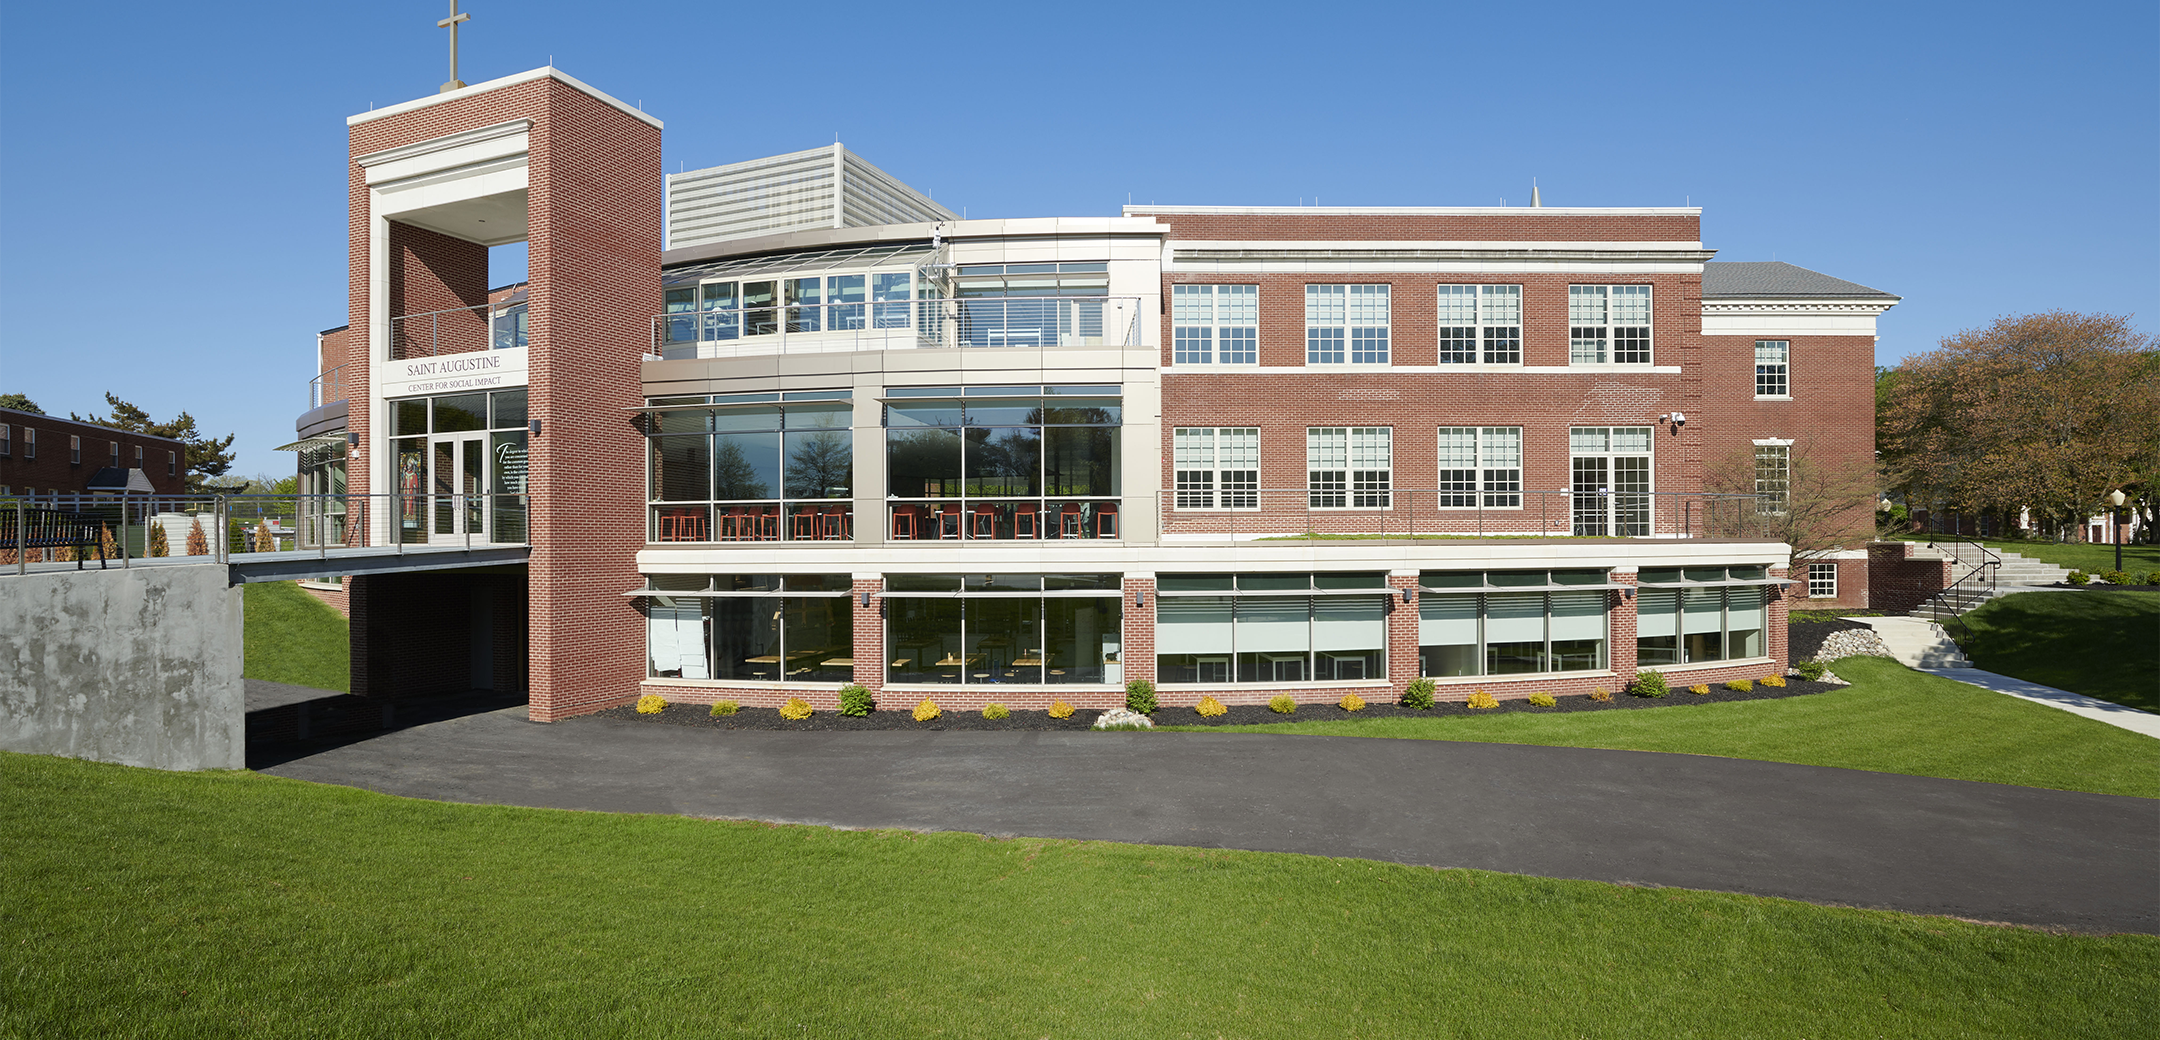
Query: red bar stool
x=1069, y=520
x=948, y=521
x=904, y=522
x=1106, y=520
x=805, y=524
x=1025, y=519
x=832, y=524
x=984, y=522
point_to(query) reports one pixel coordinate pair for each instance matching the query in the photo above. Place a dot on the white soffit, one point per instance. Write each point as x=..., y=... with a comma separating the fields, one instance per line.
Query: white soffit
x=1780, y=318
x=470, y=184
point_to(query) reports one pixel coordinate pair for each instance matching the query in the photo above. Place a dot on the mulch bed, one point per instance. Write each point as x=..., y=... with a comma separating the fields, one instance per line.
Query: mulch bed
x=1240, y=715
x=1805, y=638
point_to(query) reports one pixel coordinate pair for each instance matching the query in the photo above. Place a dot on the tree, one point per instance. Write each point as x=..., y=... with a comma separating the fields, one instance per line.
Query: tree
x=198, y=544
x=2047, y=412
x=1819, y=504
x=733, y=475
x=205, y=459
x=20, y=404
x=160, y=545
x=820, y=466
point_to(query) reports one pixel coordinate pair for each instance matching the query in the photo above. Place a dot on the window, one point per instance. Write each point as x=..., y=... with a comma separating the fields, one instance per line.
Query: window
x=1346, y=322
x=751, y=627
x=1215, y=324
x=753, y=467
x=1511, y=622
x=1003, y=461
x=1773, y=358
x=1773, y=477
x=1271, y=628
x=1610, y=468
x=1480, y=467
x=7, y=439
x=1822, y=581
x=473, y=481
x=113, y=449
x=1481, y=323
x=1609, y=324
x=721, y=311
x=993, y=629
x=172, y=463
x=138, y=456
x=1349, y=467
x=74, y=450
x=1217, y=468
x=1699, y=614
x=29, y=443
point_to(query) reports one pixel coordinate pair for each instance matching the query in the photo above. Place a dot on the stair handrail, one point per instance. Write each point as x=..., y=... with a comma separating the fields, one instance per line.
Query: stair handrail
x=1989, y=569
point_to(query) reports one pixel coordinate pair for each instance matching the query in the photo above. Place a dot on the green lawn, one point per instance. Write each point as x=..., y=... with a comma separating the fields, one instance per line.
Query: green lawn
x=238, y=905
x=1891, y=720
x=293, y=637
x=2080, y=556
x=2101, y=644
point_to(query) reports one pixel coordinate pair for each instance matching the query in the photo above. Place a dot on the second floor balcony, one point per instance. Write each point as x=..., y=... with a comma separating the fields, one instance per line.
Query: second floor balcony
x=746, y=328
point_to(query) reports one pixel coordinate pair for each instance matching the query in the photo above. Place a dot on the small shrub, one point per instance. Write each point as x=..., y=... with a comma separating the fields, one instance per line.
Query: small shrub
x=1419, y=694
x=1140, y=697
x=855, y=700
x=1210, y=708
x=996, y=711
x=1740, y=686
x=1811, y=670
x=1771, y=680
x=264, y=540
x=927, y=710
x=1351, y=702
x=1481, y=699
x=1543, y=699
x=795, y=710
x=1601, y=695
x=2079, y=578
x=651, y=704
x=1282, y=704
x=2152, y=578
x=722, y=709
x=112, y=548
x=160, y=544
x=1060, y=710
x=2111, y=577
x=1649, y=684
x=198, y=544
x=1699, y=689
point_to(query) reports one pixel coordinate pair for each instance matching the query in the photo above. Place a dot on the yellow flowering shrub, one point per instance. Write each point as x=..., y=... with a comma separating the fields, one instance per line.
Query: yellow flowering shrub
x=996, y=711
x=1543, y=699
x=1210, y=708
x=1601, y=695
x=722, y=708
x=1699, y=688
x=1740, y=685
x=927, y=710
x=1771, y=680
x=1060, y=710
x=795, y=710
x=650, y=704
x=1481, y=699
x=1351, y=702
x=1282, y=704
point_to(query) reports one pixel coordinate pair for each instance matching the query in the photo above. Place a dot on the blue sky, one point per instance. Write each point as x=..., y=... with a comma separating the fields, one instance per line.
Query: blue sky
x=172, y=189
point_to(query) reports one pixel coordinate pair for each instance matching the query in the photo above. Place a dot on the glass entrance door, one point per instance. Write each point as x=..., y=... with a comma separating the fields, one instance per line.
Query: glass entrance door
x=457, y=475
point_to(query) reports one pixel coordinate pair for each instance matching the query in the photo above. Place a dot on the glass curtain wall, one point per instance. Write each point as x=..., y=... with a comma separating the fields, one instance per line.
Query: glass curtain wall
x=995, y=629
x=452, y=476
x=1003, y=462
x=751, y=627
x=1511, y=622
x=736, y=309
x=1271, y=628
x=1696, y=614
x=756, y=467
x=322, y=489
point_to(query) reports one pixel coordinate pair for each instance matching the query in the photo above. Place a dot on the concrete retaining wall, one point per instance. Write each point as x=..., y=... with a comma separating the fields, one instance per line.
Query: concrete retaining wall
x=138, y=666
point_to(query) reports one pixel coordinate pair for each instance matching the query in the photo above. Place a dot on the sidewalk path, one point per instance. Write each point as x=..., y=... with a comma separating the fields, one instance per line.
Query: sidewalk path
x=1994, y=852
x=1918, y=643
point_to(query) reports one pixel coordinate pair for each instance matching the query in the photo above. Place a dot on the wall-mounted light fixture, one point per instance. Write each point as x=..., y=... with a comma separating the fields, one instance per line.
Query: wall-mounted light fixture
x=1409, y=595
x=352, y=440
x=866, y=599
x=1139, y=598
x=534, y=426
x=1628, y=592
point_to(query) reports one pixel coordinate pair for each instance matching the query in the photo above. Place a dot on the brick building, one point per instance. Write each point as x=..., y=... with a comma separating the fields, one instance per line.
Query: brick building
x=841, y=436
x=46, y=458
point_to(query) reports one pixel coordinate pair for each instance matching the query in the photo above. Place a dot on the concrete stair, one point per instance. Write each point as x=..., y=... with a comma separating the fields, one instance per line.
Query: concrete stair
x=2012, y=575
x=1917, y=642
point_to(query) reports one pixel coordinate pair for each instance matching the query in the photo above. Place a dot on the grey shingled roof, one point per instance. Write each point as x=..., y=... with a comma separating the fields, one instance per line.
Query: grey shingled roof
x=1771, y=278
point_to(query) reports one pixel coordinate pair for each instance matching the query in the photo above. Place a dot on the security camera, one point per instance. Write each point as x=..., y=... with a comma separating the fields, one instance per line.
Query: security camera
x=1679, y=419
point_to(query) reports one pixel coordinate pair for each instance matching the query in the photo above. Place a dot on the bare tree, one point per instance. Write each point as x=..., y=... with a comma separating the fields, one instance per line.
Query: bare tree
x=1816, y=505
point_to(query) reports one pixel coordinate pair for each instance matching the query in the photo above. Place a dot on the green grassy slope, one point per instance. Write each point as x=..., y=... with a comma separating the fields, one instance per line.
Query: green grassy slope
x=1891, y=720
x=220, y=905
x=293, y=637
x=2077, y=556
x=2098, y=643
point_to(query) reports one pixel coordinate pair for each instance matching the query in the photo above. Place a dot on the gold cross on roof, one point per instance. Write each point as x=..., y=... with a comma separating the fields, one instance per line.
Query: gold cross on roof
x=451, y=23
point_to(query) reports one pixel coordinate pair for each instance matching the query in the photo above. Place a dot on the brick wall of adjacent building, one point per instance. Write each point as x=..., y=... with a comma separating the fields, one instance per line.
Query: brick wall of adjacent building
x=54, y=469
x=1897, y=582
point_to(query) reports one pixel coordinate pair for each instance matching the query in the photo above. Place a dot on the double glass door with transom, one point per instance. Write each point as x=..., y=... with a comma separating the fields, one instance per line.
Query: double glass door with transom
x=457, y=488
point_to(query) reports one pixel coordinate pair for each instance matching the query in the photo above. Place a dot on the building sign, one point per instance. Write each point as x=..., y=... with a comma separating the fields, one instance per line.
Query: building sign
x=451, y=373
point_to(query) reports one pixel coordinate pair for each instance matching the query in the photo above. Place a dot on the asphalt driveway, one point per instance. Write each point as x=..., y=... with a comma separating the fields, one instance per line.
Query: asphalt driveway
x=1993, y=852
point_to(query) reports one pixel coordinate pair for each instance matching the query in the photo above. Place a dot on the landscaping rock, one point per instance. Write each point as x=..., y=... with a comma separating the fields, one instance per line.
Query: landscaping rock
x=1119, y=717
x=1852, y=642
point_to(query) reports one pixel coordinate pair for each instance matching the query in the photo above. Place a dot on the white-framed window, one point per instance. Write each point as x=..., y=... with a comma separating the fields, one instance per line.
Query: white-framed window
x=113, y=451
x=1480, y=466
x=1773, y=476
x=1215, y=324
x=138, y=456
x=74, y=449
x=172, y=463
x=29, y=443
x=1609, y=324
x=1773, y=368
x=1349, y=467
x=1822, y=581
x=1346, y=323
x=1216, y=467
x=7, y=439
x=1610, y=470
x=1480, y=324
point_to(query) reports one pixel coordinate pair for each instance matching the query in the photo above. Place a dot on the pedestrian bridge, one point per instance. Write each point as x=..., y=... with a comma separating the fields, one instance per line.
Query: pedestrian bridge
x=319, y=563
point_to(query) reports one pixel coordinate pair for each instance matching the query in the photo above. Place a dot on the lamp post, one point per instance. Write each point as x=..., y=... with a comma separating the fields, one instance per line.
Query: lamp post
x=2116, y=498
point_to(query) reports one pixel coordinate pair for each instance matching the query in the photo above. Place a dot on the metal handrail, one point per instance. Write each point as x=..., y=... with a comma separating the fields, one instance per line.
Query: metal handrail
x=327, y=388
x=456, y=330
x=1990, y=566
x=1428, y=512
x=928, y=322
